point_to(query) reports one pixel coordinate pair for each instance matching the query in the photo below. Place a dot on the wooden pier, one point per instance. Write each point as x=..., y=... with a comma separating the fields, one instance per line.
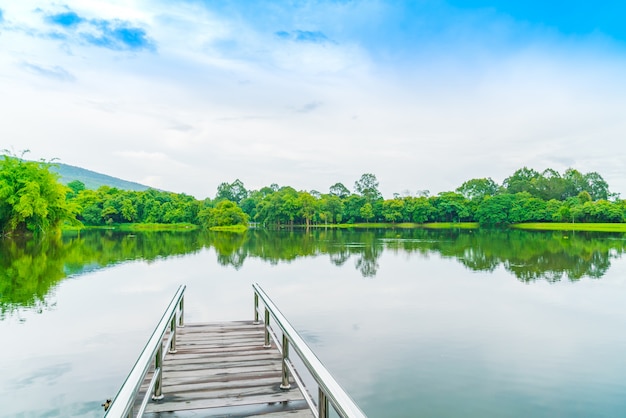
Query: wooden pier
x=228, y=369
x=223, y=370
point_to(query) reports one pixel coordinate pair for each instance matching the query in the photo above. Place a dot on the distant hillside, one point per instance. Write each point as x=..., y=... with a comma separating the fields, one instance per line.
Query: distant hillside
x=91, y=179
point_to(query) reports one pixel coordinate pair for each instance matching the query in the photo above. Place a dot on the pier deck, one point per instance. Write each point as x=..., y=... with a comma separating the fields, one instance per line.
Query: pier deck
x=222, y=369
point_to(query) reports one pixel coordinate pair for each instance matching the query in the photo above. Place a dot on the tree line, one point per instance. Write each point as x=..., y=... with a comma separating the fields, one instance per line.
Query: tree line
x=32, y=200
x=525, y=196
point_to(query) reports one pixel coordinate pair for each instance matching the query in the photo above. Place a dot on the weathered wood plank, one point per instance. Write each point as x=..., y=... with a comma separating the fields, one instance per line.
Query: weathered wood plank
x=225, y=356
x=181, y=404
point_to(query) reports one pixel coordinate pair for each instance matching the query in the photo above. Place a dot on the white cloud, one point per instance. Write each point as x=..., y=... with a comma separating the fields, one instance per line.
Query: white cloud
x=223, y=98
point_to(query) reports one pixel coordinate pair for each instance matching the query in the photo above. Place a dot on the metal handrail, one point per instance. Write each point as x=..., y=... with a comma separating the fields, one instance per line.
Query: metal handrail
x=329, y=391
x=152, y=354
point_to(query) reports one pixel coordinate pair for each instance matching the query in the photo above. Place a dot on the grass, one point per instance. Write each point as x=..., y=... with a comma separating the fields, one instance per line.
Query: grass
x=138, y=227
x=596, y=227
x=229, y=228
x=406, y=225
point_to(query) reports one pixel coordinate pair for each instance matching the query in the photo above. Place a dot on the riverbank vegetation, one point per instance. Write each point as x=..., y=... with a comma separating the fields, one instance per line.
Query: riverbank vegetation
x=32, y=199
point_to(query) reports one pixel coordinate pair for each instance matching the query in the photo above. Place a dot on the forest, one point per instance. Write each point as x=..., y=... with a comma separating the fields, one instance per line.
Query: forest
x=33, y=200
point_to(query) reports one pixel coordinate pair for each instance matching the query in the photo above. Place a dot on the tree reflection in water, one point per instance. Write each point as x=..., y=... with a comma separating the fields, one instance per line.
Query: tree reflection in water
x=30, y=269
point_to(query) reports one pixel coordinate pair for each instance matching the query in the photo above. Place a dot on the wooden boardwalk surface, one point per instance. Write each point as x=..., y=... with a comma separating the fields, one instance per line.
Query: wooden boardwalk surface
x=223, y=370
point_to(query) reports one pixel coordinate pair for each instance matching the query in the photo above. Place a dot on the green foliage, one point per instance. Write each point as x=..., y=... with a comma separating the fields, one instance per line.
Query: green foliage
x=551, y=185
x=225, y=213
x=451, y=207
x=525, y=196
x=31, y=198
x=478, y=189
x=367, y=186
x=339, y=190
x=367, y=212
x=394, y=210
x=75, y=187
x=113, y=206
x=235, y=192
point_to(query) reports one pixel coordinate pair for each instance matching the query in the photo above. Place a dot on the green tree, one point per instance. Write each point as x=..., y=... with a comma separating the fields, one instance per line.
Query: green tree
x=225, y=213
x=419, y=209
x=31, y=197
x=394, y=210
x=596, y=186
x=574, y=182
x=332, y=206
x=451, y=207
x=367, y=186
x=550, y=185
x=352, y=208
x=308, y=206
x=494, y=210
x=477, y=189
x=367, y=212
x=339, y=190
x=523, y=180
x=235, y=192
x=75, y=187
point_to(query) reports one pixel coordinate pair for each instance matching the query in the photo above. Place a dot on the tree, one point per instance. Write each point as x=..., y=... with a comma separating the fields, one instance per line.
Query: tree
x=333, y=207
x=308, y=206
x=523, y=180
x=494, y=210
x=352, y=208
x=596, y=186
x=451, y=207
x=339, y=190
x=550, y=185
x=31, y=197
x=225, y=213
x=367, y=212
x=420, y=209
x=574, y=182
x=75, y=187
x=235, y=191
x=393, y=210
x=477, y=189
x=367, y=186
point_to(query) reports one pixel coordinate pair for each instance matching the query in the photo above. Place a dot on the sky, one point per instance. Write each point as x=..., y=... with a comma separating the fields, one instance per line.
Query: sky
x=183, y=95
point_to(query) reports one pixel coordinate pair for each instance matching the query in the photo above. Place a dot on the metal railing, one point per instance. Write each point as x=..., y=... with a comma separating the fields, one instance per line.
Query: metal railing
x=329, y=391
x=152, y=355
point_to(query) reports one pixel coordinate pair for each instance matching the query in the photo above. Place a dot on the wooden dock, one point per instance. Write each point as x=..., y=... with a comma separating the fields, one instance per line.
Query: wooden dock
x=223, y=370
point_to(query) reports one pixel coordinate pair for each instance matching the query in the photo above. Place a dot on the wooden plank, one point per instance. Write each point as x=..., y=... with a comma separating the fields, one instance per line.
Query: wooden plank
x=294, y=413
x=216, y=358
x=206, y=403
x=178, y=387
x=293, y=409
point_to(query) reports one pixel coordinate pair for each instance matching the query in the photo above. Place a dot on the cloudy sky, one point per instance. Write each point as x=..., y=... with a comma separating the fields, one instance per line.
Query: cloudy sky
x=185, y=94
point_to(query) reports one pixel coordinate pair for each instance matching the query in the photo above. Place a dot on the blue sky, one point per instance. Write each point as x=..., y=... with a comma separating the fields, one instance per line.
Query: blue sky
x=183, y=95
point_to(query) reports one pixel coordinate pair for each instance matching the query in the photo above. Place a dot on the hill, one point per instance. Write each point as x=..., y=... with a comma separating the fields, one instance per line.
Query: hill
x=91, y=179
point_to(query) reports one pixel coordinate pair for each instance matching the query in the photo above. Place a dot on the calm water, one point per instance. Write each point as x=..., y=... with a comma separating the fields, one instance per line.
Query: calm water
x=411, y=323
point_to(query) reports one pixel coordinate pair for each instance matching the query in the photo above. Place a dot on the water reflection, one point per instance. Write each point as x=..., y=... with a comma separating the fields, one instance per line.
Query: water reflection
x=29, y=269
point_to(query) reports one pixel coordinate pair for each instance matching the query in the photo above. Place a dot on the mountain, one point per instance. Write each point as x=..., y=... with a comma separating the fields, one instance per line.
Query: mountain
x=91, y=179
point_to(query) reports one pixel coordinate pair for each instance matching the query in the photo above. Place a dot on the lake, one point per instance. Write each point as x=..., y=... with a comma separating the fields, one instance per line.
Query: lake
x=412, y=323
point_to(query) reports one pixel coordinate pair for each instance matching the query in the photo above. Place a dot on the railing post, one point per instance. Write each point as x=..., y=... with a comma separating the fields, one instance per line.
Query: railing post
x=181, y=308
x=173, y=334
x=322, y=404
x=158, y=369
x=256, y=308
x=267, y=329
x=285, y=383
